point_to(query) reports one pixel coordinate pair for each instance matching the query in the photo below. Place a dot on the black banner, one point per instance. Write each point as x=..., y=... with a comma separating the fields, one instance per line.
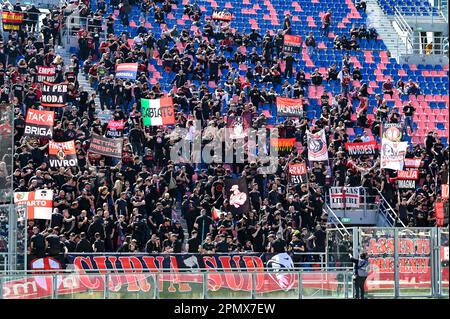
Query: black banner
x=236, y=191
x=115, y=129
x=106, y=146
x=54, y=94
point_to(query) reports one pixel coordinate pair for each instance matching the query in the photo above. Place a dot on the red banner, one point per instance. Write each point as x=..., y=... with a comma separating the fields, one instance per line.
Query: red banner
x=408, y=175
x=289, y=107
x=364, y=148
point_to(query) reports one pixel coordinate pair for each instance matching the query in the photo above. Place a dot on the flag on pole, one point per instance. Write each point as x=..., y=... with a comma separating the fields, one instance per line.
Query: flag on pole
x=158, y=111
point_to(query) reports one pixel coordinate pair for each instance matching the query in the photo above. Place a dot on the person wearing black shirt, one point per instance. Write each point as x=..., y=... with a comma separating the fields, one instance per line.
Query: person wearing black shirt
x=53, y=244
x=297, y=246
x=278, y=245
x=84, y=246
x=99, y=245
x=37, y=244
x=193, y=242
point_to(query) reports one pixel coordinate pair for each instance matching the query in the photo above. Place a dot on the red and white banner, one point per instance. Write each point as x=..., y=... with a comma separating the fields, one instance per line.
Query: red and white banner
x=317, y=146
x=298, y=173
x=46, y=73
x=412, y=162
x=39, y=123
x=289, y=107
x=344, y=197
x=411, y=175
x=39, y=203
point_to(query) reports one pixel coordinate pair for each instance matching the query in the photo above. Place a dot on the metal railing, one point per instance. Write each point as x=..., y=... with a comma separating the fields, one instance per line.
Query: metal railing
x=386, y=210
x=175, y=285
x=416, y=15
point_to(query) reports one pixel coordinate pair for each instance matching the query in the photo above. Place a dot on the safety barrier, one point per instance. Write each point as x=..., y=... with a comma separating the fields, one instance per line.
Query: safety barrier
x=178, y=285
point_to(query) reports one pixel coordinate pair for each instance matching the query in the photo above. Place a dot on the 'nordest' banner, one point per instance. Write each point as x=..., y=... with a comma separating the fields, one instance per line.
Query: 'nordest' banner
x=106, y=146
x=54, y=94
x=289, y=107
x=358, y=149
x=39, y=123
x=126, y=71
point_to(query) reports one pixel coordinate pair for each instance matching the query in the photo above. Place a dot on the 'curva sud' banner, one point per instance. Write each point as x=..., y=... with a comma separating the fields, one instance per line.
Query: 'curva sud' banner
x=273, y=272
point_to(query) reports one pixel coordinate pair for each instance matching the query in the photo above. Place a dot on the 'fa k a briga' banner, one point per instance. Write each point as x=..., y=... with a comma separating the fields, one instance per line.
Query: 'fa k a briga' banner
x=106, y=146
x=115, y=129
x=54, y=94
x=298, y=173
x=393, y=154
x=364, y=148
x=317, y=146
x=283, y=144
x=407, y=179
x=289, y=107
x=46, y=74
x=157, y=111
x=344, y=197
x=392, y=131
x=62, y=154
x=292, y=43
x=12, y=20
x=39, y=123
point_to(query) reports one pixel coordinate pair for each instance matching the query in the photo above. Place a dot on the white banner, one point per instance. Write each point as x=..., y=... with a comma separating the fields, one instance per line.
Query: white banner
x=39, y=203
x=317, y=146
x=344, y=197
x=393, y=154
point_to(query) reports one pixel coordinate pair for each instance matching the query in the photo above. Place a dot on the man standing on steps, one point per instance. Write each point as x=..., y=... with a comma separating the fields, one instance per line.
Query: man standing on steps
x=203, y=223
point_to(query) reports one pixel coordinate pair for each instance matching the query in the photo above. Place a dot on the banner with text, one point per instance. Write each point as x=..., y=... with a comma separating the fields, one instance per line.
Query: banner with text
x=289, y=107
x=298, y=173
x=359, y=149
x=292, y=43
x=46, y=74
x=106, y=146
x=62, y=154
x=39, y=123
x=54, y=94
x=344, y=197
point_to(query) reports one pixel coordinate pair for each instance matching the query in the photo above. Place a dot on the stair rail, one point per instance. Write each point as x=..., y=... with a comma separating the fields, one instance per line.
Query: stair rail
x=335, y=220
x=389, y=214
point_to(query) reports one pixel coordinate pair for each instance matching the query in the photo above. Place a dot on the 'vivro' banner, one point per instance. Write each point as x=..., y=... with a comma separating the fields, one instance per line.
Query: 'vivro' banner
x=46, y=74
x=54, y=94
x=292, y=43
x=358, y=149
x=62, y=154
x=289, y=107
x=106, y=146
x=39, y=123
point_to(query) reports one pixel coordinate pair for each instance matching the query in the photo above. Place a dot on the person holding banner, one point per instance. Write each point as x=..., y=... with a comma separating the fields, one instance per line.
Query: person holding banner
x=360, y=274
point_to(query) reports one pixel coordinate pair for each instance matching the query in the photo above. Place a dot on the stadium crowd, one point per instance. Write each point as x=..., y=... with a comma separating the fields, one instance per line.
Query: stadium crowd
x=138, y=203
